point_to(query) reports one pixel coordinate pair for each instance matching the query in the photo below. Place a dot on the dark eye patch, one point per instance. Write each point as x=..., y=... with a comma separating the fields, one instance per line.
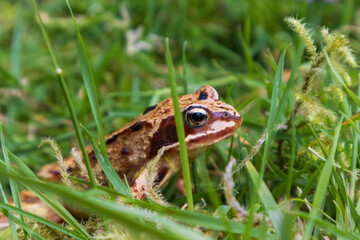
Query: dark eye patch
x=136, y=127
x=203, y=96
x=148, y=109
x=112, y=139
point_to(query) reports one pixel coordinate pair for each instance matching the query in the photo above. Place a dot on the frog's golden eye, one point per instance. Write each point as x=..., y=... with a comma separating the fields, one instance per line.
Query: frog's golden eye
x=196, y=116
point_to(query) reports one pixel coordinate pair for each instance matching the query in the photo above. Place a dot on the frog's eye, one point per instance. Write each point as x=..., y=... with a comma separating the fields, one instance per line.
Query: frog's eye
x=196, y=116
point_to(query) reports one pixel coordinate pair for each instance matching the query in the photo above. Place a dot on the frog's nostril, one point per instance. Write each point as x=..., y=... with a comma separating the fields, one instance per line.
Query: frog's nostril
x=226, y=115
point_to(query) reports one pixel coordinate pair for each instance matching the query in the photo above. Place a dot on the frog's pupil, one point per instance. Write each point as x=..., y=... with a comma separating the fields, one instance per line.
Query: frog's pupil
x=198, y=116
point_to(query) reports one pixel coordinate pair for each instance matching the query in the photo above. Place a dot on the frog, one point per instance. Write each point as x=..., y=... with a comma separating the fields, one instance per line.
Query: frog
x=131, y=149
x=207, y=120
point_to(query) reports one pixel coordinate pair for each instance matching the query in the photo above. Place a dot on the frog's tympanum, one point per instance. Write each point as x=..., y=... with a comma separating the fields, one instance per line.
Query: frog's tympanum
x=207, y=120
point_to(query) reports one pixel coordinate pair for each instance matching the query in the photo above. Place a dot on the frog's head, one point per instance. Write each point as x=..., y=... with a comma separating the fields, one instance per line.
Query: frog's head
x=207, y=120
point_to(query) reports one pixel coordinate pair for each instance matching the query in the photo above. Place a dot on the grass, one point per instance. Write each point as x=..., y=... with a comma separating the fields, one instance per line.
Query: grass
x=300, y=180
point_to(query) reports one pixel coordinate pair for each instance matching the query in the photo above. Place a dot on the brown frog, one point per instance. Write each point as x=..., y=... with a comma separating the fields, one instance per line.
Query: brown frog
x=207, y=120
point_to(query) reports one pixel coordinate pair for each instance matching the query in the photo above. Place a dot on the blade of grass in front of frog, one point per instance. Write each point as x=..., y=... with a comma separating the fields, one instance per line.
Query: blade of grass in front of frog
x=8, y=214
x=179, y=128
x=277, y=218
x=135, y=218
x=93, y=100
x=322, y=185
x=41, y=220
x=65, y=92
x=13, y=185
x=186, y=217
x=49, y=200
x=100, y=156
x=340, y=80
x=273, y=115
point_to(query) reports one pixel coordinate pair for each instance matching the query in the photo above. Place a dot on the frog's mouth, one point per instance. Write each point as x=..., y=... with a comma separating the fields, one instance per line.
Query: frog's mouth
x=222, y=126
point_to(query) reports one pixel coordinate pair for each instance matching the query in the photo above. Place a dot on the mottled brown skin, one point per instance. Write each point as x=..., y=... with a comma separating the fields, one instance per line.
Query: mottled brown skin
x=132, y=147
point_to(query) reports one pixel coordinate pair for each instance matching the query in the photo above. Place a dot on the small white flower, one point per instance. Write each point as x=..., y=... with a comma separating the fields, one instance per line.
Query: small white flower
x=133, y=42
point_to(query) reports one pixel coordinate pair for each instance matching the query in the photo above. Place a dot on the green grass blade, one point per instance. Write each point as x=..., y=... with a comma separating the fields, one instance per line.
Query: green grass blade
x=13, y=185
x=66, y=93
x=100, y=156
x=274, y=108
x=9, y=215
x=179, y=128
x=350, y=204
x=269, y=202
x=93, y=100
x=41, y=220
x=290, y=82
x=322, y=185
x=292, y=158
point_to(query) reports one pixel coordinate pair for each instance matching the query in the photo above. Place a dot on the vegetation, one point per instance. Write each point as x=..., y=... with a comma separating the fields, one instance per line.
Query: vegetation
x=290, y=171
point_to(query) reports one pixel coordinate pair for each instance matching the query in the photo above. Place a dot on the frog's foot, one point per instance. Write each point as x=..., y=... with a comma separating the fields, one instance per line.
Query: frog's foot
x=31, y=203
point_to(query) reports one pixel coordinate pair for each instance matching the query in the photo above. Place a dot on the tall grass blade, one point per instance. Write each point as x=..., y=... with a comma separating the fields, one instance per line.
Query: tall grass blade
x=93, y=100
x=322, y=185
x=66, y=94
x=292, y=157
x=100, y=156
x=9, y=215
x=13, y=185
x=179, y=128
x=274, y=111
x=269, y=202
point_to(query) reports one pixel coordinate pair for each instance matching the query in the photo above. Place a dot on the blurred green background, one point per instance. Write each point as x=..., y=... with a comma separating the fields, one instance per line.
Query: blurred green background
x=227, y=44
